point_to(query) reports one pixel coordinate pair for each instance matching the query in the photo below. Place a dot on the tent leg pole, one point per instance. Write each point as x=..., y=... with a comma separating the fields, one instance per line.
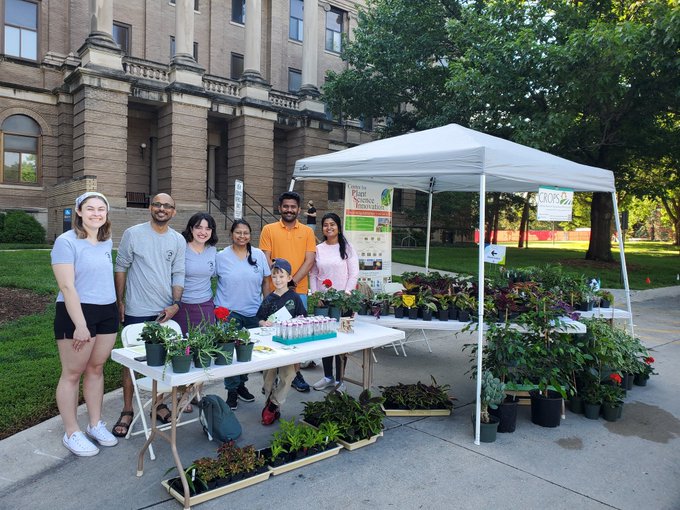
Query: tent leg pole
x=480, y=304
x=624, y=270
x=429, y=227
x=292, y=185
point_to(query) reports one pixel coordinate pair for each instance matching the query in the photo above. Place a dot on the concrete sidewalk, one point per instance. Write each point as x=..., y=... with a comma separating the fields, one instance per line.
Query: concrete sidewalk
x=419, y=463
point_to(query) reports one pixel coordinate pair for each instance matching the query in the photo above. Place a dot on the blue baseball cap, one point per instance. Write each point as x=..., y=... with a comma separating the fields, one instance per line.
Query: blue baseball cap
x=282, y=264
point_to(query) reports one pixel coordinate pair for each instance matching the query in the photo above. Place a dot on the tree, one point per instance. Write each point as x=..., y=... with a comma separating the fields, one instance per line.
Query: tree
x=583, y=80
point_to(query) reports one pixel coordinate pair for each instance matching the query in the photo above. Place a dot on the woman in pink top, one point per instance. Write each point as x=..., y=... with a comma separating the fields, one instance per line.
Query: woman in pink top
x=336, y=261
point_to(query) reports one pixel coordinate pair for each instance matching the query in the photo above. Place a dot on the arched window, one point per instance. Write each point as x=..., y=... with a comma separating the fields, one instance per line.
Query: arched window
x=20, y=143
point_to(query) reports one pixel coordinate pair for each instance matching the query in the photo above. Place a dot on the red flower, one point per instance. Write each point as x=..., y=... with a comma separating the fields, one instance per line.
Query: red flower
x=616, y=378
x=221, y=313
x=327, y=283
x=649, y=360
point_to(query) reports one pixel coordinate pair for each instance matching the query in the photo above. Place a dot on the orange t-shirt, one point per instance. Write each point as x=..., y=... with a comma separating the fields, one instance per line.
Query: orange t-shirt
x=290, y=244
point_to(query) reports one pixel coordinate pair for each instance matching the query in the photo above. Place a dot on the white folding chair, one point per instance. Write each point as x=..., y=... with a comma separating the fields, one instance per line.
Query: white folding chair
x=130, y=338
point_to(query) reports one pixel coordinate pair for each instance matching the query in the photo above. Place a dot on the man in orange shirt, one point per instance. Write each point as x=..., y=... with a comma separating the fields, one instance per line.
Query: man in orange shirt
x=291, y=240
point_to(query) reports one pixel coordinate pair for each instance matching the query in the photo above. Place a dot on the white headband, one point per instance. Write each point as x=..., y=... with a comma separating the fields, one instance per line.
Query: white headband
x=90, y=194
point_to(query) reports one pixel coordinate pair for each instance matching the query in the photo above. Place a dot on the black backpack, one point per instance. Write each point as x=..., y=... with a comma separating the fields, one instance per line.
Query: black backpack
x=218, y=420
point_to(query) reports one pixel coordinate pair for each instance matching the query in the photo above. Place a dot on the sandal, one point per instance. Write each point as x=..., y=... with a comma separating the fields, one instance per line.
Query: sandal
x=122, y=425
x=166, y=418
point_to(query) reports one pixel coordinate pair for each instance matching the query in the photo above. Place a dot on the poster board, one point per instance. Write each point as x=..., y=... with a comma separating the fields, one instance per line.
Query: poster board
x=368, y=228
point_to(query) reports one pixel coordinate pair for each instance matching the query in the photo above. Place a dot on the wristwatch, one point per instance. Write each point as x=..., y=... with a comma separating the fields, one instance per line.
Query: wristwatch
x=176, y=302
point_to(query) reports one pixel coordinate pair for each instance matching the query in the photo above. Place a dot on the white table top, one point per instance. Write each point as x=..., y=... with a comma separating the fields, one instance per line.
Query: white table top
x=605, y=313
x=389, y=321
x=365, y=336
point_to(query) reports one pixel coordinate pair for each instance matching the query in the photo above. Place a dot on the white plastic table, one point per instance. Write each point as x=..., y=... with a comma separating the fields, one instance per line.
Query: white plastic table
x=364, y=338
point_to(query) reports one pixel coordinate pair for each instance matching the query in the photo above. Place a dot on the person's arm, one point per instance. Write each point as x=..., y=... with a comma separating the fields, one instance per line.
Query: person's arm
x=65, y=276
x=119, y=278
x=313, y=274
x=178, y=274
x=305, y=267
x=352, y=269
x=171, y=310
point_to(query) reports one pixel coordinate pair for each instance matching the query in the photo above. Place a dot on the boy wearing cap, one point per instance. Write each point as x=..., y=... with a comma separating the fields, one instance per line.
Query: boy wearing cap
x=281, y=297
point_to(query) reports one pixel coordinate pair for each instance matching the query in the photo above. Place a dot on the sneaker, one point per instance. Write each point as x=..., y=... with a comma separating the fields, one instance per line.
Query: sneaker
x=299, y=383
x=100, y=434
x=341, y=388
x=244, y=394
x=308, y=364
x=80, y=445
x=323, y=383
x=232, y=399
x=270, y=413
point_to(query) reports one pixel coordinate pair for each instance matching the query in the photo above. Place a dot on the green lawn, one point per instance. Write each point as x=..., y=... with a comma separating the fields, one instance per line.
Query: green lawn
x=658, y=261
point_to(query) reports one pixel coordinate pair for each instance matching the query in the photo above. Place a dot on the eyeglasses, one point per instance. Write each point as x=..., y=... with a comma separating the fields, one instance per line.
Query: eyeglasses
x=241, y=232
x=159, y=205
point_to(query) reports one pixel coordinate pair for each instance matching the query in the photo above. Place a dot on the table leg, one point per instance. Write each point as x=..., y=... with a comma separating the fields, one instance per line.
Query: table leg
x=152, y=435
x=367, y=369
x=173, y=447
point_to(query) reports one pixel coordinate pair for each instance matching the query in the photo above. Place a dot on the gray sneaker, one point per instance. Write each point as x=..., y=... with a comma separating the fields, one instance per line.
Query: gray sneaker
x=80, y=445
x=323, y=383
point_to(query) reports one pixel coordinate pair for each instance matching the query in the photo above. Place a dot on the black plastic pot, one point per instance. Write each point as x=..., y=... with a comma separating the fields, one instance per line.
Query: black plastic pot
x=398, y=312
x=546, y=411
x=155, y=354
x=507, y=414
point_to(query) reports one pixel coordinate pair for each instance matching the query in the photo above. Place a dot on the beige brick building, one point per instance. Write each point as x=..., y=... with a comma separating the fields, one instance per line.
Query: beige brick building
x=135, y=97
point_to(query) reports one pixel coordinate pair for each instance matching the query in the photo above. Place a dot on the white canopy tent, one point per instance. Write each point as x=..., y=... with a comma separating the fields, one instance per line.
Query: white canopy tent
x=455, y=158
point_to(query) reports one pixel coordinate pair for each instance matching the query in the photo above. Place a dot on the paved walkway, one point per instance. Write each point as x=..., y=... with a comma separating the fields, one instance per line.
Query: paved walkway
x=419, y=463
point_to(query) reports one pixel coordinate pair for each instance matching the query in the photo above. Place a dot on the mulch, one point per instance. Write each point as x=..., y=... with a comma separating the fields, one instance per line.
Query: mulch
x=18, y=303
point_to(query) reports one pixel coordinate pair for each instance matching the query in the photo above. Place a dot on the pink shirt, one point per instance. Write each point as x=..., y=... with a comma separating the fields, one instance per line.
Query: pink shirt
x=329, y=265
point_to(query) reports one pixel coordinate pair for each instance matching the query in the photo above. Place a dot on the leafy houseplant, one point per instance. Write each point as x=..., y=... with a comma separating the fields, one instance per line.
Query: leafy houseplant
x=417, y=396
x=427, y=303
x=397, y=303
x=155, y=336
x=356, y=419
x=202, y=344
x=244, y=345
x=179, y=354
x=294, y=441
x=606, y=298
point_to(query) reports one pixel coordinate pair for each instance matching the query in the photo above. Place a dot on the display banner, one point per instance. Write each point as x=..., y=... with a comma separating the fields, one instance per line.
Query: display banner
x=554, y=204
x=368, y=228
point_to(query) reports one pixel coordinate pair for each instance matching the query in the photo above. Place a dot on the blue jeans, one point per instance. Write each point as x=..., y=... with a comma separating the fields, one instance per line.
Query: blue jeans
x=232, y=383
x=303, y=298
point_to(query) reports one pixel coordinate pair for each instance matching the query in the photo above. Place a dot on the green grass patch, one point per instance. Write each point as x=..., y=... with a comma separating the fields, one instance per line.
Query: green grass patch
x=658, y=261
x=28, y=269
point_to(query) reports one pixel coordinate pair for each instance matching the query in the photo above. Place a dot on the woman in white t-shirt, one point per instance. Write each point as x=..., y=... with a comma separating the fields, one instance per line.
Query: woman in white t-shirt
x=86, y=320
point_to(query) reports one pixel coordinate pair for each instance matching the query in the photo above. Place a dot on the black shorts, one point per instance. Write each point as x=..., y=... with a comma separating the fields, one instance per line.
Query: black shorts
x=100, y=319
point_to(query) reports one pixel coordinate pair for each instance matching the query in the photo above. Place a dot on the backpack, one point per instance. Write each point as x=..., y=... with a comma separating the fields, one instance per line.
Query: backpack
x=218, y=420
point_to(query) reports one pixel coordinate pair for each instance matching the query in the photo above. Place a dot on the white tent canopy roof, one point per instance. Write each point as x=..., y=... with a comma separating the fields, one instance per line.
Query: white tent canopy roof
x=452, y=158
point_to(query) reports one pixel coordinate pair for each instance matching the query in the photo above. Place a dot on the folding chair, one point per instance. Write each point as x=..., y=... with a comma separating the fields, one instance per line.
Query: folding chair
x=130, y=338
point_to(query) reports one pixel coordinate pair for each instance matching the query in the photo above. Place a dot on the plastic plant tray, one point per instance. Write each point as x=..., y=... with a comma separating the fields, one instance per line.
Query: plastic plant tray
x=303, y=339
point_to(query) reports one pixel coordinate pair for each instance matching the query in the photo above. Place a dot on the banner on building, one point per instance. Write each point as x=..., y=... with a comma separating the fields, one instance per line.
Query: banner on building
x=368, y=227
x=554, y=204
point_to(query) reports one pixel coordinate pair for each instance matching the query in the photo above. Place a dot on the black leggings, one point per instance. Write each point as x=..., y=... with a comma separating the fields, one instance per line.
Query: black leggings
x=340, y=360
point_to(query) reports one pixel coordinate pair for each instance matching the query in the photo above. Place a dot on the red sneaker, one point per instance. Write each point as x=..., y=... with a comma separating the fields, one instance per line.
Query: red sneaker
x=270, y=413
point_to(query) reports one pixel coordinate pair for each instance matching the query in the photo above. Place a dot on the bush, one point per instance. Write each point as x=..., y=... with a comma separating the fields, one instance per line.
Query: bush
x=20, y=227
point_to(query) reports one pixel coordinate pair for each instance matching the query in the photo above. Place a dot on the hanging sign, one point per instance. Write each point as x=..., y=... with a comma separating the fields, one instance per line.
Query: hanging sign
x=494, y=254
x=238, y=199
x=368, y=227
x=554, y=204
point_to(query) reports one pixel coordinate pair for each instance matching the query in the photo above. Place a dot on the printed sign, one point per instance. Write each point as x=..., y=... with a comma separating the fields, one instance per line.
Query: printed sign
x=238, y=199
x=494, y=254
x=368, y=227
x=554, y=204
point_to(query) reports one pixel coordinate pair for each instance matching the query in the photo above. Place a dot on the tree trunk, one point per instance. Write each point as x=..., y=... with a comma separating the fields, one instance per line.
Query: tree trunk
x=601, y=215
x=524, y=223
x=494, y=240
x=490, y=207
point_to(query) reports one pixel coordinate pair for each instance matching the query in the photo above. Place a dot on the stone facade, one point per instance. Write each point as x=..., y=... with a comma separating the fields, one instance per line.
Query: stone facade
x=131, y=125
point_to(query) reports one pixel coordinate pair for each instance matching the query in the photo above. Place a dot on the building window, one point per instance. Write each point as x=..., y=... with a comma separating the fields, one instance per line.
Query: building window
x=397, y=199
x=121, y=34
x=294, y=80
x=21, y=29
x=238, y=11
x=172, y=49
x=20, y=136
x=334, y=24
x=296, y=15
x=336, y=190
x=366, y=123
x=196, y=4
x=236, y=66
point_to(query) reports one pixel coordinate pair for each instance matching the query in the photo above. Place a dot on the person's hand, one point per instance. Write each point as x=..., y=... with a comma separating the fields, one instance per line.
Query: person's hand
x=81, y=336
x=121, y=312
x=169, y=312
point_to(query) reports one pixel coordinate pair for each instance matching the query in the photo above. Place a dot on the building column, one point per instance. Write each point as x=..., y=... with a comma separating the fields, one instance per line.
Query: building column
x=250, y=153
x=183, y=67
x=182, y=150
x=301, y=143
x=310, y=48
x=100, y=49
x=100, y=132
x=252, y=59
x=211, y=167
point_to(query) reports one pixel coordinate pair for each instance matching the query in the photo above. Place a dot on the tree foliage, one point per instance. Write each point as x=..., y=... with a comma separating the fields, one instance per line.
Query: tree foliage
x=588, y=81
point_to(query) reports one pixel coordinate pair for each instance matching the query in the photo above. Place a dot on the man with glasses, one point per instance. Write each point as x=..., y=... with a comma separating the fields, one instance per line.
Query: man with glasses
x=149, y=279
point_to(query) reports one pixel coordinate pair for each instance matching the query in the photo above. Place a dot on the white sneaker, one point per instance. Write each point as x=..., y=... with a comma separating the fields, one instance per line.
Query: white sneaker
x=101, y=435
x=341, y=388
x=323, y=383
x=80, y=445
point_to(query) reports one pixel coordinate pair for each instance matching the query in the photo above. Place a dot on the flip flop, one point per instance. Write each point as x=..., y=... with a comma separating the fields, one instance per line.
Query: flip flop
x=120, y=424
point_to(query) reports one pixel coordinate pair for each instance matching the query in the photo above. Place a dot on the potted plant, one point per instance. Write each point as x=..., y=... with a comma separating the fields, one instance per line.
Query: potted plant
x=224, y=333
x=397, y=303
x=155, y=336
x=382, y=299
x=316, y=302
x=606, y=298
x=443, y=302
x=244, y=345
x=417, y=399
x=493, y=393
x=179, y=354
x=466, y=306
x=427, y=304
x=409, y=301
x=202, y=344
x=644, y=371
x=612, y=398
x=360, y=421
x=350, y=303
x=592, y=399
